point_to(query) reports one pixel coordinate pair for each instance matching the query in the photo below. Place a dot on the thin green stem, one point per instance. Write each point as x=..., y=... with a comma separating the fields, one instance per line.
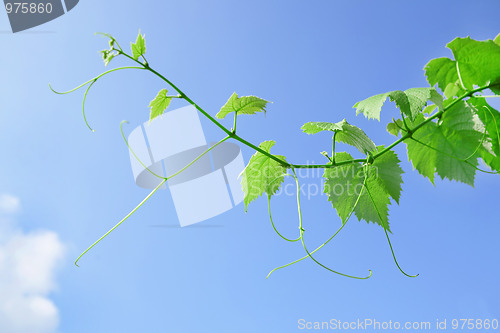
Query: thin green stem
x=394, y=256
x=133, y=153
x=112, y=39
x=123, y=220
x=400, y=128
x=333, y=148
x=116, y=42
x=272, y=222
x=208, y=116
x=94, y=79
x=164, y=179
x=269, y=206
x=404, y=121
x=233, y=130
x=302, y=238
x=145, y=66
x=91, y=83
x=83, y=105
x=496, y=125
x=478, y=146
x=385, y=229
x=200, y=156
x=460, y=76
x=282, y=162
x=329, y=239
x=307, y=256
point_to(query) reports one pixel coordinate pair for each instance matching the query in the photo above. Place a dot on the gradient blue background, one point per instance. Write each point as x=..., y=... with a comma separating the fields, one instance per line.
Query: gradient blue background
x=314, y=60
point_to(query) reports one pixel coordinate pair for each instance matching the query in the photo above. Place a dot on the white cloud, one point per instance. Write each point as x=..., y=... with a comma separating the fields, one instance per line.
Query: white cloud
x=27, y=266
x=9, y=204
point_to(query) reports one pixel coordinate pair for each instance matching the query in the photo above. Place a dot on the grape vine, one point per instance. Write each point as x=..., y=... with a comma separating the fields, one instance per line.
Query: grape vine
x=446, y=134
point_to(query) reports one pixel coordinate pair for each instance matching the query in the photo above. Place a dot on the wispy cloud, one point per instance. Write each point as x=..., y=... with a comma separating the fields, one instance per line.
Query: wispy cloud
x=9, y=204
x=27, y=266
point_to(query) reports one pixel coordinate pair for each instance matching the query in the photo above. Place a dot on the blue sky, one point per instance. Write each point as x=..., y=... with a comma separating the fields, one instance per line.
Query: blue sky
x=314, y=60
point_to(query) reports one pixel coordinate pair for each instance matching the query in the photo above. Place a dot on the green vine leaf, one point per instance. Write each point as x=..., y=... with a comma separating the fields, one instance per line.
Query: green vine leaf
x=443, y=72
x=410, y=102
x=262, y=174
x=159, y=104
x=344, y=132
x=344, y=183
x=395, y=126
x=490, y=119
x=139, y=47
x=372, y=106
x=443, y=147
x=497, y=39
x=389, y=173
x=341, y=183
x=477, y=63
x=429, y=109
x=314, y=127
x=242, y=105
x=418, y=98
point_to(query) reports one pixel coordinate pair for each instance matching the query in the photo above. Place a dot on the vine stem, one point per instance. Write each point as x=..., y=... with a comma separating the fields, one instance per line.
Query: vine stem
x=403, y=138
x=197, y=158
x=404, y=121
x=164, y=179
x=333, y=148
x=233, y=135
x=122, y=220
x=233, y=130
x=133, y=153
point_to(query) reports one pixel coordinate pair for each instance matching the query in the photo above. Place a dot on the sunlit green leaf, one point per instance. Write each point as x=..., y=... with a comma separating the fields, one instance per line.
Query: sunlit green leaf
x=242, y=105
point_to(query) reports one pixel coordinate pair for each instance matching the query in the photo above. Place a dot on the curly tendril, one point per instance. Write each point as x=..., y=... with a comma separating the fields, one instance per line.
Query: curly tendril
x=90, y=83
x=133, y=153
x=269, y=206
x=164, y=179
x=301, y=237
x=387, y=235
